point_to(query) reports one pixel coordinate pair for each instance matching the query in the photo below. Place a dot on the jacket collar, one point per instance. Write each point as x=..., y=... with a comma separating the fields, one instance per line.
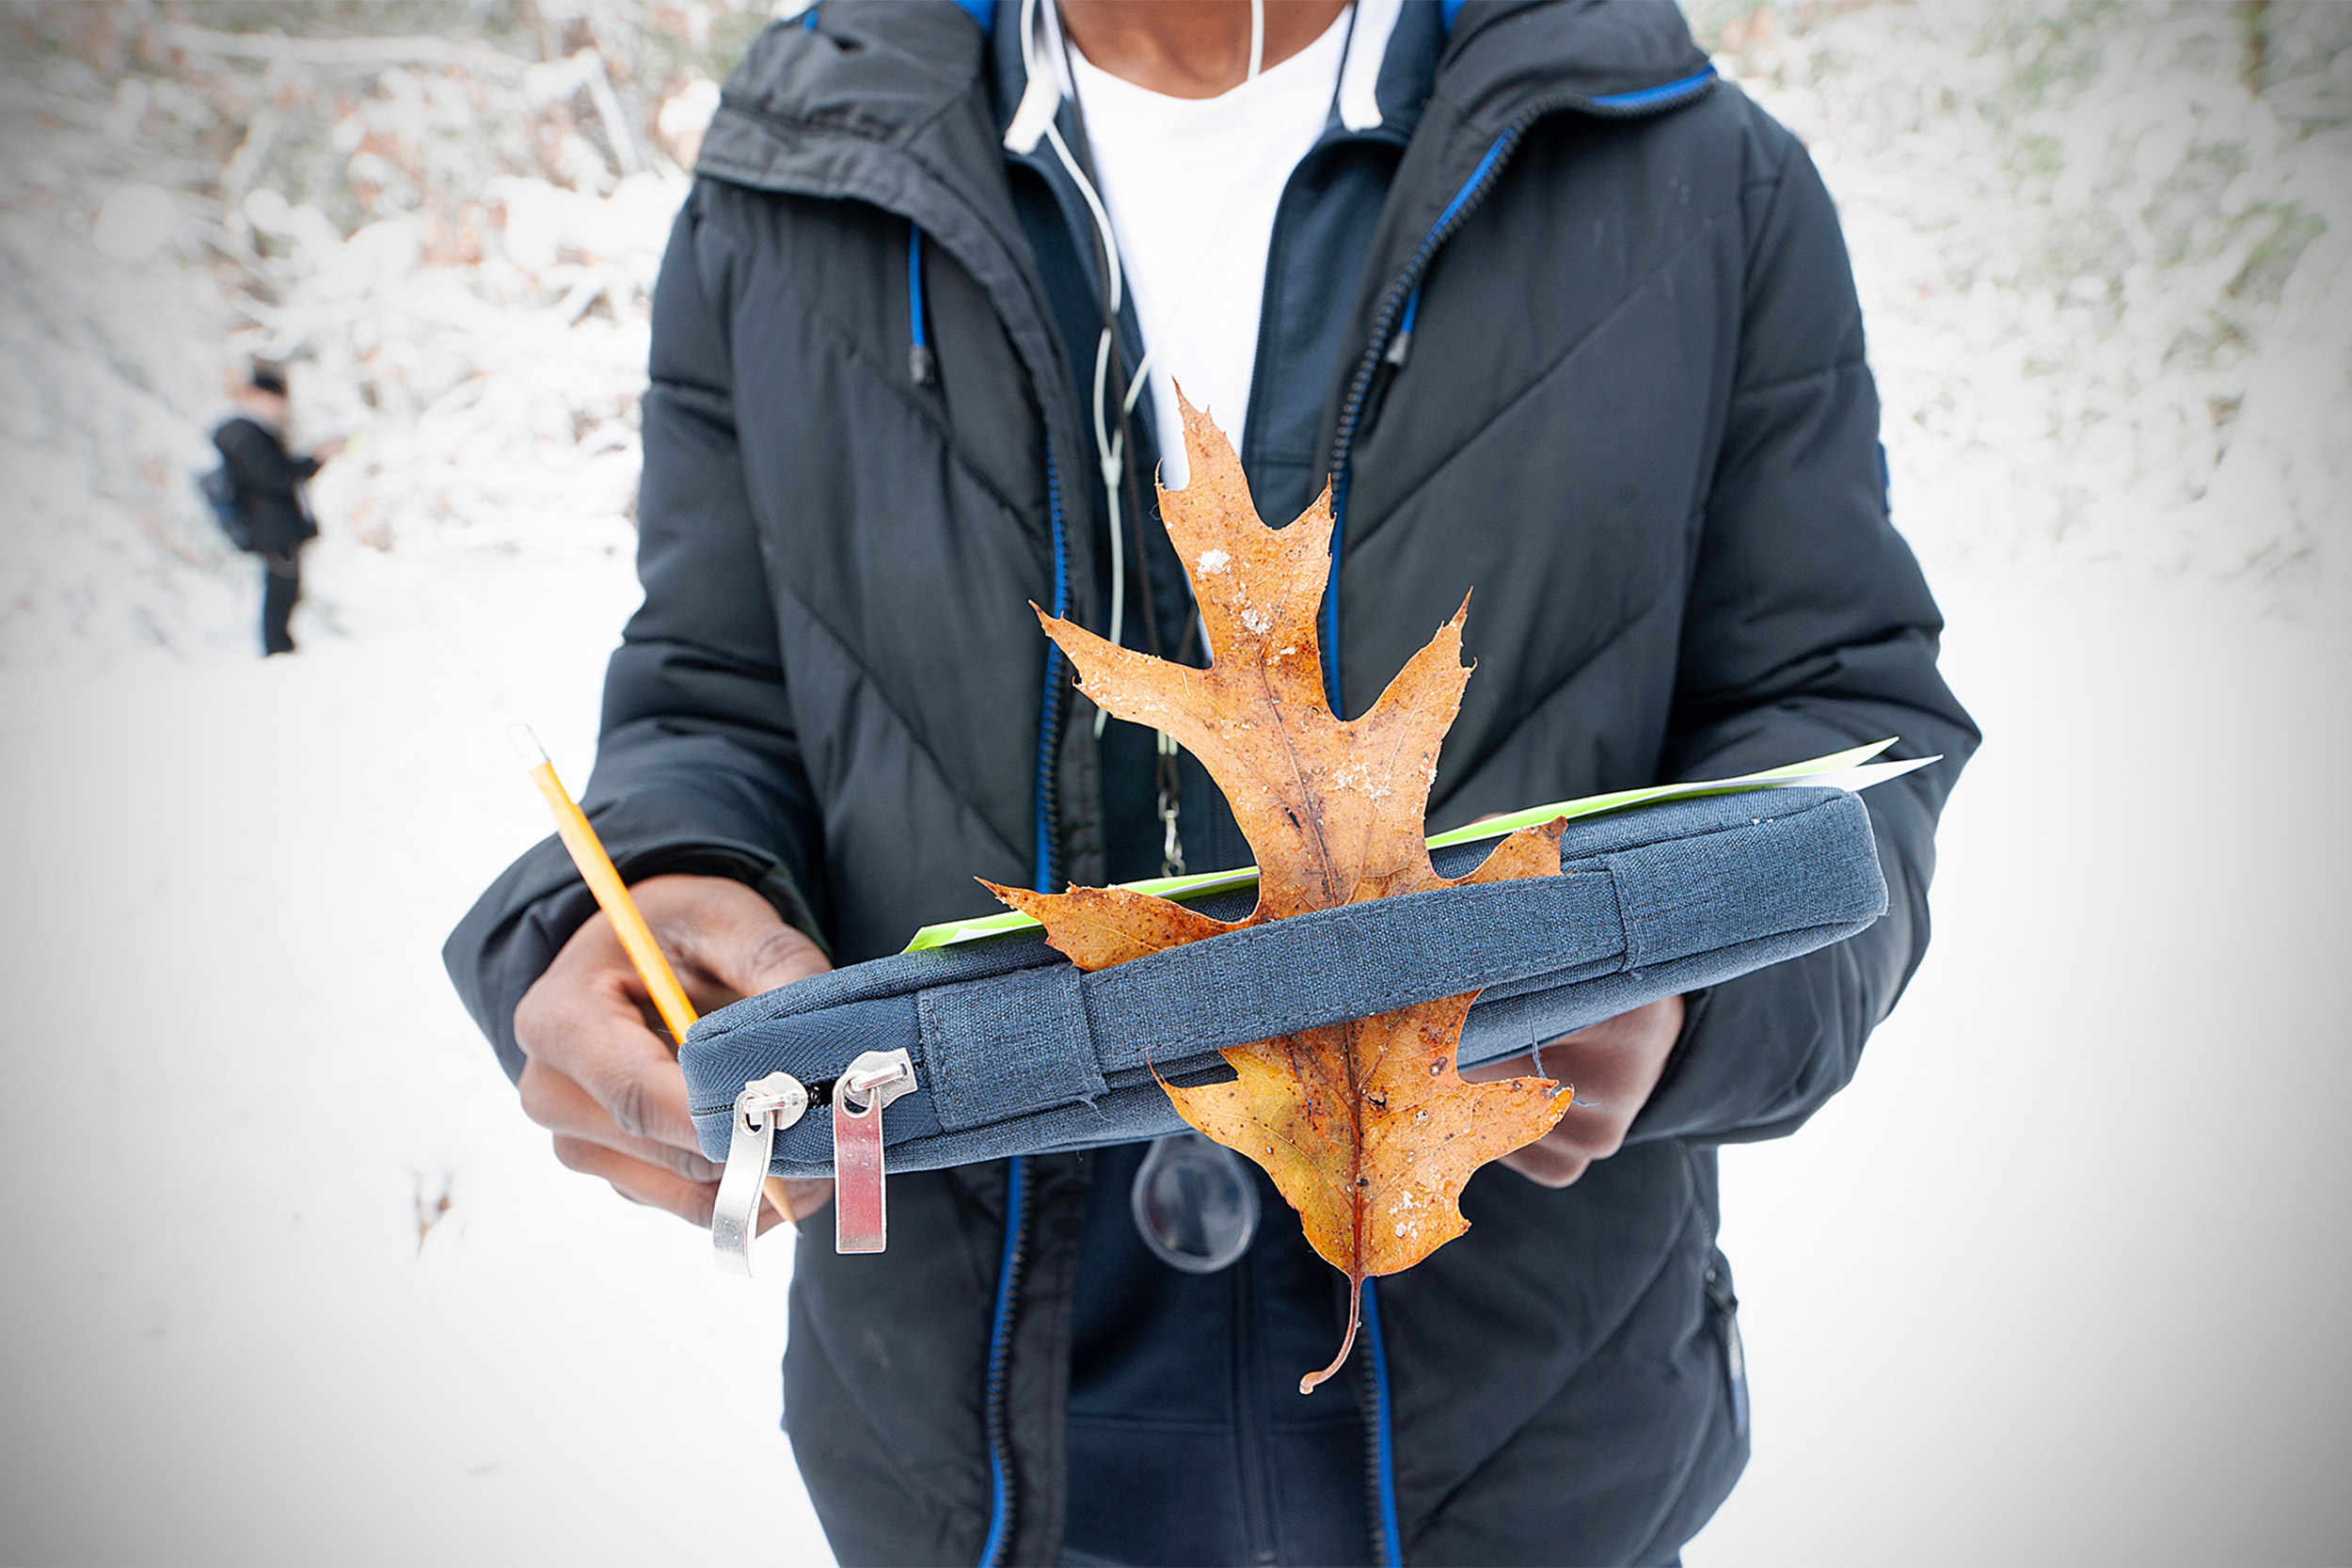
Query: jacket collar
x=888, y=104
x=1379, y=95
x=904, y=106
x=882, y=70
x=1506, y=60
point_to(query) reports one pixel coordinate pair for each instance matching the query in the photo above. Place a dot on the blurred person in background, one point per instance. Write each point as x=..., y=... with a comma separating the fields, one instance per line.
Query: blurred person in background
x=1562, y=317
x=266, y=482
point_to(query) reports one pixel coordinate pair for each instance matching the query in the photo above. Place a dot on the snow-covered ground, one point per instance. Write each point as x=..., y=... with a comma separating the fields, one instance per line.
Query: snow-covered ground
x=2056, y=1280
x=243, y=1087
x=2059, y=1278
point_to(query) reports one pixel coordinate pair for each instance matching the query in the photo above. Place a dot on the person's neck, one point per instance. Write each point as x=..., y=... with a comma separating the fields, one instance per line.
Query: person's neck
x=1190, y=48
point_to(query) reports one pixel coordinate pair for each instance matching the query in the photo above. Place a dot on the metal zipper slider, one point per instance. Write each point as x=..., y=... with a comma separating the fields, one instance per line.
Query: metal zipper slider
x=766, y=1106
x=1171, y=803
x=874, y=1080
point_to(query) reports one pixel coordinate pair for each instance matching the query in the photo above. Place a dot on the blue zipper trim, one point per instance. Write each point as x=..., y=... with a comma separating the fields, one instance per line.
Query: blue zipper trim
x=1400, y=346
x=1494, y=155
x=1049, y=710
x=999, y=1348
x=1000, y=1326
x=1391, y=1548
x=914, y=284
x=921, y=368
x=1651, y=98
x=1327, y=633
x=1045, y=728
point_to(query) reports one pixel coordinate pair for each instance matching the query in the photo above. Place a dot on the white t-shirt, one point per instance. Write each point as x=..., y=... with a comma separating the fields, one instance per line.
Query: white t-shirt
x=1191, y=186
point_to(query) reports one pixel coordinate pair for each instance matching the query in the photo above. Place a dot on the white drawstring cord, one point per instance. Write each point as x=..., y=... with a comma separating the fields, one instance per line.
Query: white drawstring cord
x=1113, y=448
x=1034, y=120
x=1109, y=449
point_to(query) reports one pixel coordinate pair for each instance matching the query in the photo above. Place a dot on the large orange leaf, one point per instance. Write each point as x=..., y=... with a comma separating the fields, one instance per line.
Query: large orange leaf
x=1365, y=1128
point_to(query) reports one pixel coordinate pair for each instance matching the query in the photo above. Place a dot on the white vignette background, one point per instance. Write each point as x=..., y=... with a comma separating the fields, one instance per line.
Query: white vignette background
x=287, y=1278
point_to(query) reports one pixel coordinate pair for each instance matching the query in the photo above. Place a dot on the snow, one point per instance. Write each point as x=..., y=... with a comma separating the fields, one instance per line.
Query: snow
x=244, y=1079
x=2056, y=1279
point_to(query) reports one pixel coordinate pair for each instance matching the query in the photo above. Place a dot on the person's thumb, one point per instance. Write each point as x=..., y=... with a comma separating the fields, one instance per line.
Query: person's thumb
x=746, y=948
x=726, y=941
x=776, y=956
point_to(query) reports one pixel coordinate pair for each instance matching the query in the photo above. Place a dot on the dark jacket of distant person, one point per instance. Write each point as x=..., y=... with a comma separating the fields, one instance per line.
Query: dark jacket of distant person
x=268, y=481
x=1633, y=413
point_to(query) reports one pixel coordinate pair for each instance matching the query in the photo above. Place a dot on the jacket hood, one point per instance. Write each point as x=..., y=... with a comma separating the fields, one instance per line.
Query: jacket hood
x=883, y=70
x=1504, y=58
x=874, y=70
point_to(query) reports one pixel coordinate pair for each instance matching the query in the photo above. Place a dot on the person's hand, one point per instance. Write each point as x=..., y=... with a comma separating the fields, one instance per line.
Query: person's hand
x=599, y=1076
x=1615, y=1065
x=327, y=452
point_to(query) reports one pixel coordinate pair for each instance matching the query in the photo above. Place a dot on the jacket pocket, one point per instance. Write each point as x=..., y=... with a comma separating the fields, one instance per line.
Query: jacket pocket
x=1724, y=1304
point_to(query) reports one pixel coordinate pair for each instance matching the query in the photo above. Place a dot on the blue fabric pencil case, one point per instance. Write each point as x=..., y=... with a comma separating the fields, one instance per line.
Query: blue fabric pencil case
x=1015, y=1052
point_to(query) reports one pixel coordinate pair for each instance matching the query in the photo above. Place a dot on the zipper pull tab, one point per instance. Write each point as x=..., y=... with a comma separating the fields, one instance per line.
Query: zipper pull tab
x=1171, y=803
x=765, y=1107
x=873, y=1081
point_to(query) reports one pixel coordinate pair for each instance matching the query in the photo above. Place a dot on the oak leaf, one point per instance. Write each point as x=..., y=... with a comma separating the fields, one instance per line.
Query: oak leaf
x=1365, y=1126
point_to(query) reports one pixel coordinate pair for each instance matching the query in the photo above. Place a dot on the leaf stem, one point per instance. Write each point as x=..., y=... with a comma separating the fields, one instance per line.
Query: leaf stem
x=1355, y=1313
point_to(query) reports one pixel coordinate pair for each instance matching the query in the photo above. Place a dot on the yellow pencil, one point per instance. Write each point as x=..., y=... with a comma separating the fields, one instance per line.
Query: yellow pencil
x=596, y=867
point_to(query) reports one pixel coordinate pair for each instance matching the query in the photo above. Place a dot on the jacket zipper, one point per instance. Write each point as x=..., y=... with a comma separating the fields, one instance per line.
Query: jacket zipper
x=1054, y=706
x=1003, y=1481
x=1005, y=1496
x=1380, y=1491
x=1251, y=1438
x=1379, y=1471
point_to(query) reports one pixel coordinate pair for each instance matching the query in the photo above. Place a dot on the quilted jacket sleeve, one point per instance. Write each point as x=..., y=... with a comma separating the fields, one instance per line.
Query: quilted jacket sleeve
x=1810, y=629
x=698, y=768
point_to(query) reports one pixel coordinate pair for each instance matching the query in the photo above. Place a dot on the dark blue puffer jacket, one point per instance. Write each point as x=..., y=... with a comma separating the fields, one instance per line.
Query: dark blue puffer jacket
x=1597, y=354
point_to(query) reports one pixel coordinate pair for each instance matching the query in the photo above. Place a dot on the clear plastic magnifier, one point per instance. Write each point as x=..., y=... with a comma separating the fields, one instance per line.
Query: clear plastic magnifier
x=1195, y=1206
